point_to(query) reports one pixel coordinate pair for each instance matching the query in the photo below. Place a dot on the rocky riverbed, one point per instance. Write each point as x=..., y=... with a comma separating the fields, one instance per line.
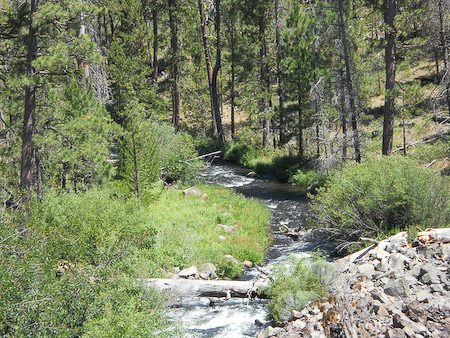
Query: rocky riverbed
x=392, y=289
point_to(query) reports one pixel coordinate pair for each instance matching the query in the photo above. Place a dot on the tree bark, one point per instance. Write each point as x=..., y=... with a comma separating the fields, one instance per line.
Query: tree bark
x=265, y=82
x=343, y=116
x=212, y=74
x=175, y=59
x=233, y=77
x=155, y=41
x=300, y=127
x=215, y=74
x=279, y=77
x=390, y=10
x=203, y=288
x=443, y=37
x=348, y=79
x=28, y=160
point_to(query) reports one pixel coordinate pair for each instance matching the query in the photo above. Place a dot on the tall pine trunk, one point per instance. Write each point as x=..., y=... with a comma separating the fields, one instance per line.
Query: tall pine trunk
x=175, y=59
x=443, y=36
x=155, y=42
x=28, y=163
x=279, y=77
x=212, y=74
x=215, y=74
x=390, y=10
x=265, y=82
x=348, y=80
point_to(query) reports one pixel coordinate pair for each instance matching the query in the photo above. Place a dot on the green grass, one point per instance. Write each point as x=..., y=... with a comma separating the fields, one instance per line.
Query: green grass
x=187, y=232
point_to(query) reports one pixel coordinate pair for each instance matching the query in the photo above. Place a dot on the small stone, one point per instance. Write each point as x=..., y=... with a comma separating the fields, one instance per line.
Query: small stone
x=269, y=332
x=437, y=288
x=222, y=238
x=380, y=253
x=226, y=228
x=208, y=271
x=423, y=296
x=383, y=312
x=193, y=191
x=383, y=266
x=231, y=258
x=366, y=269
x=397, y=288
x=191, y=271
x=431, y=277
x=409, y=332
x=296, y=314
x=299, y=324
x=247, y=264
x=204, y=197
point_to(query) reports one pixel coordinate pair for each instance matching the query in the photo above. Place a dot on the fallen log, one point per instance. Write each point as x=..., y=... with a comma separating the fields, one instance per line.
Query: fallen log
x=204, y=288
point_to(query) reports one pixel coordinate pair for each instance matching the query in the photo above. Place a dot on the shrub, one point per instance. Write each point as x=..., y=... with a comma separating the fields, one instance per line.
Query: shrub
x=379, y=195
x=176, y=153
x=293, y=287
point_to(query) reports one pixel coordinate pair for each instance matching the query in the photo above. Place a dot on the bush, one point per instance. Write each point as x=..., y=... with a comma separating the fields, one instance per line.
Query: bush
x=176, y=154
x=293, y=288
x=374, y=197
x=69, y=275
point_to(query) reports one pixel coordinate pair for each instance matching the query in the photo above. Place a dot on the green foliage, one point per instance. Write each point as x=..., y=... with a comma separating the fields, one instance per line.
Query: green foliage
x=308, y=177
x=176, y=153
x=187, y=231
x=70, y=273
x=295, y=286
x=379, y=195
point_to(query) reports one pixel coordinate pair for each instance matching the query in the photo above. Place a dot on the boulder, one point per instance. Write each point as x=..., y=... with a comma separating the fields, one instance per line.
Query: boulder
x=397, y=288
x=231, y=259
x=192, y=191
x=191, y=271
x=247, y=264
x=208, y=271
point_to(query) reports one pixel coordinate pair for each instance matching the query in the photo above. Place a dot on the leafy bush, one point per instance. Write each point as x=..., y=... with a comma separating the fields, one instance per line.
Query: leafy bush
x=294, y=287
x=374, y=197
x=308, y=177
x=69, y=274
x=176, y=153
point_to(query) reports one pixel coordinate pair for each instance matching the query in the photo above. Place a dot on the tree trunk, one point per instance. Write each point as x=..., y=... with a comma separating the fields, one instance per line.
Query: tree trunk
x=348, y=79
x=212, y=74
x=28, y=163
x=390, y=10
x=343, y=116
x=208, y=62
x=300, y=127
x=264, y=73
x=203, y=288
x=443, y=36
x=136, y=171
x=214, y=89
x=233, y=78
x=155, y=42
x=279, y=77
x=175, y=59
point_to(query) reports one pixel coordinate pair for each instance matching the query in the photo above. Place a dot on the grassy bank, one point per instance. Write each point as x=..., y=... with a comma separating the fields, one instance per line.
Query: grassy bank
x=69, y=264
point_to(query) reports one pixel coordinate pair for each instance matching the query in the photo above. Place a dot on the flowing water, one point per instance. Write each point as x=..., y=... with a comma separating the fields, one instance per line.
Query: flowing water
x=238, y=318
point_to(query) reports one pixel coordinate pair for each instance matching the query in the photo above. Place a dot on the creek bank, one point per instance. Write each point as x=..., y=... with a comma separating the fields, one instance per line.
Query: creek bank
x=392, y=289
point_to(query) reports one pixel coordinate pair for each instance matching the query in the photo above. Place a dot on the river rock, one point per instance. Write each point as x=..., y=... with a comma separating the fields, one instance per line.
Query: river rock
x=397, y=288
x=192, y=191
x=208, y=271
x=231, y=259
x=269, y=332
x=191, y=271
x=410, y=299
x=227, y=228
x=247, y=264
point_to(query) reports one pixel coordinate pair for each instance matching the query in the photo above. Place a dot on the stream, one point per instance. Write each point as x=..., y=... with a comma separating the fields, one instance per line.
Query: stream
x=238, y=318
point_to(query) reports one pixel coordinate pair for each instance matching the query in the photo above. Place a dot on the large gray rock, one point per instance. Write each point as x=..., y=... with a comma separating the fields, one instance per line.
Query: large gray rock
x=191, y=271
x=397, y=288
x=208, y=271
x=193, y=191
x=269, y=332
